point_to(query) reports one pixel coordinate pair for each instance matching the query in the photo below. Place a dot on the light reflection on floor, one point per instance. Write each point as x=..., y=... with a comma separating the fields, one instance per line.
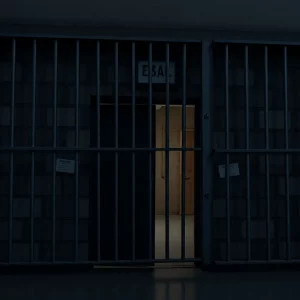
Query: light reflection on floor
x=175, y=236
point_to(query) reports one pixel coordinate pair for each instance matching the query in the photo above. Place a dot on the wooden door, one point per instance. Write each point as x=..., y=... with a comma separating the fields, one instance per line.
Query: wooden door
x=189, y=174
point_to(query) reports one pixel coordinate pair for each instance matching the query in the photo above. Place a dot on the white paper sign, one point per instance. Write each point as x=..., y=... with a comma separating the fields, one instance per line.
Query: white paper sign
x=233, y=170
x=65, y=166
x=159, y=70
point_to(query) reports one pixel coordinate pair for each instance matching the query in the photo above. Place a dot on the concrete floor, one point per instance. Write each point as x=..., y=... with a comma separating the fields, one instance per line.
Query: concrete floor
x=159, y=284
x=175, y=236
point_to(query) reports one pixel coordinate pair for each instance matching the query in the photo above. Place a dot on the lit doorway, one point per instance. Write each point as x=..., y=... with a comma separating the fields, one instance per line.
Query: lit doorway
x=177, y=186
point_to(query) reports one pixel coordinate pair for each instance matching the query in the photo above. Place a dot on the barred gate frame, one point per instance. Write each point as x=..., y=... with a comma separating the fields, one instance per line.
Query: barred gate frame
x=207, y=150
x=205, y=57
x=286, y=151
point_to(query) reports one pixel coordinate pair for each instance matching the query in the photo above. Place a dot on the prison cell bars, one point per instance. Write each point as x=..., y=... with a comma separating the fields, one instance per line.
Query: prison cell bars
x=167, y=156
x=33, y=149
x=77, y=152
x=267, y=161
x=54, y=149
x=206, y=154
x=246, y=64
x=267, y=151
x=183, y=152
x=116, y=50
x=286, y=131
x=98, y=100
x=150, y=100
x=55, y=73
x=32, y=153
x=133, y=145
x=11, y=154
x=227, y=137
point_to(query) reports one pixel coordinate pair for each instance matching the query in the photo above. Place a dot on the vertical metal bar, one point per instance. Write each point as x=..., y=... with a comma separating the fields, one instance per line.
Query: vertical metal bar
x=227, y=147
x=133, y=146
x=11, y=154
x=287, y=177
x=116, y=153
x=268, y=227
x=247, y=155
x=150, y=145
x=206, y=144
x=54, y=154
x=77, y=146
x=167, y=156
x=98, y=146
x=32, y=153
x=183, y=290
x=183, y=152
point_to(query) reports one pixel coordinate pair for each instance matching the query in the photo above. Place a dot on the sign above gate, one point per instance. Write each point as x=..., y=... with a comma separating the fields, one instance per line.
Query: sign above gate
x=158, y=72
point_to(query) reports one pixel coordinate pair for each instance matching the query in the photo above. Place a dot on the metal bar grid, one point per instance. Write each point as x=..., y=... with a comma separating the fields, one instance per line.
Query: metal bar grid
x=267, y=151
x=133, y=145
x=102, y=262
x=55, y=150
x=32, y=204
x=267, y=161
x=55, y=74
x=77, y=146
x=251, y=42
x=286, y=131
x=207, y=159
x=95, y=149
x=150, y=97
x=98, y=153
x=77, y=150
x=259, y=262
x=246, y=57
x=206, y=151
x=227, y=137
x=183, y=153
x=116, y=61
x=256, y=151
x=11, y=154
x=167, y=156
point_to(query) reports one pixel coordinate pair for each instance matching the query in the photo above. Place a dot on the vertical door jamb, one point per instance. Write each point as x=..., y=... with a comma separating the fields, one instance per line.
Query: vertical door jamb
x=207, y=160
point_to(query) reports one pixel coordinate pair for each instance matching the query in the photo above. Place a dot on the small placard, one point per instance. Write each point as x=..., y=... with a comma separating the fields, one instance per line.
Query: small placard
x=159, y=70
x=65, y=165
x=233, y=170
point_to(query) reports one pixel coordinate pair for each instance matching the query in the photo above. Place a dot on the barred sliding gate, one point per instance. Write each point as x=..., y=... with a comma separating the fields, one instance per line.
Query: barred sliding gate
x=106, y=162
x=101, y=158
x=255, y=213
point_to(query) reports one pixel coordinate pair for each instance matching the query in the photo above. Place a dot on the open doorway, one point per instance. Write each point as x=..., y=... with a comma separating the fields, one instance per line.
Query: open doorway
x=176, y=186
x=132, y=216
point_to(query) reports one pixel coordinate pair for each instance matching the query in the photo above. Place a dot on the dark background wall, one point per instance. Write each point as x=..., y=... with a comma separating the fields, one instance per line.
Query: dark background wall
x=218, y=14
